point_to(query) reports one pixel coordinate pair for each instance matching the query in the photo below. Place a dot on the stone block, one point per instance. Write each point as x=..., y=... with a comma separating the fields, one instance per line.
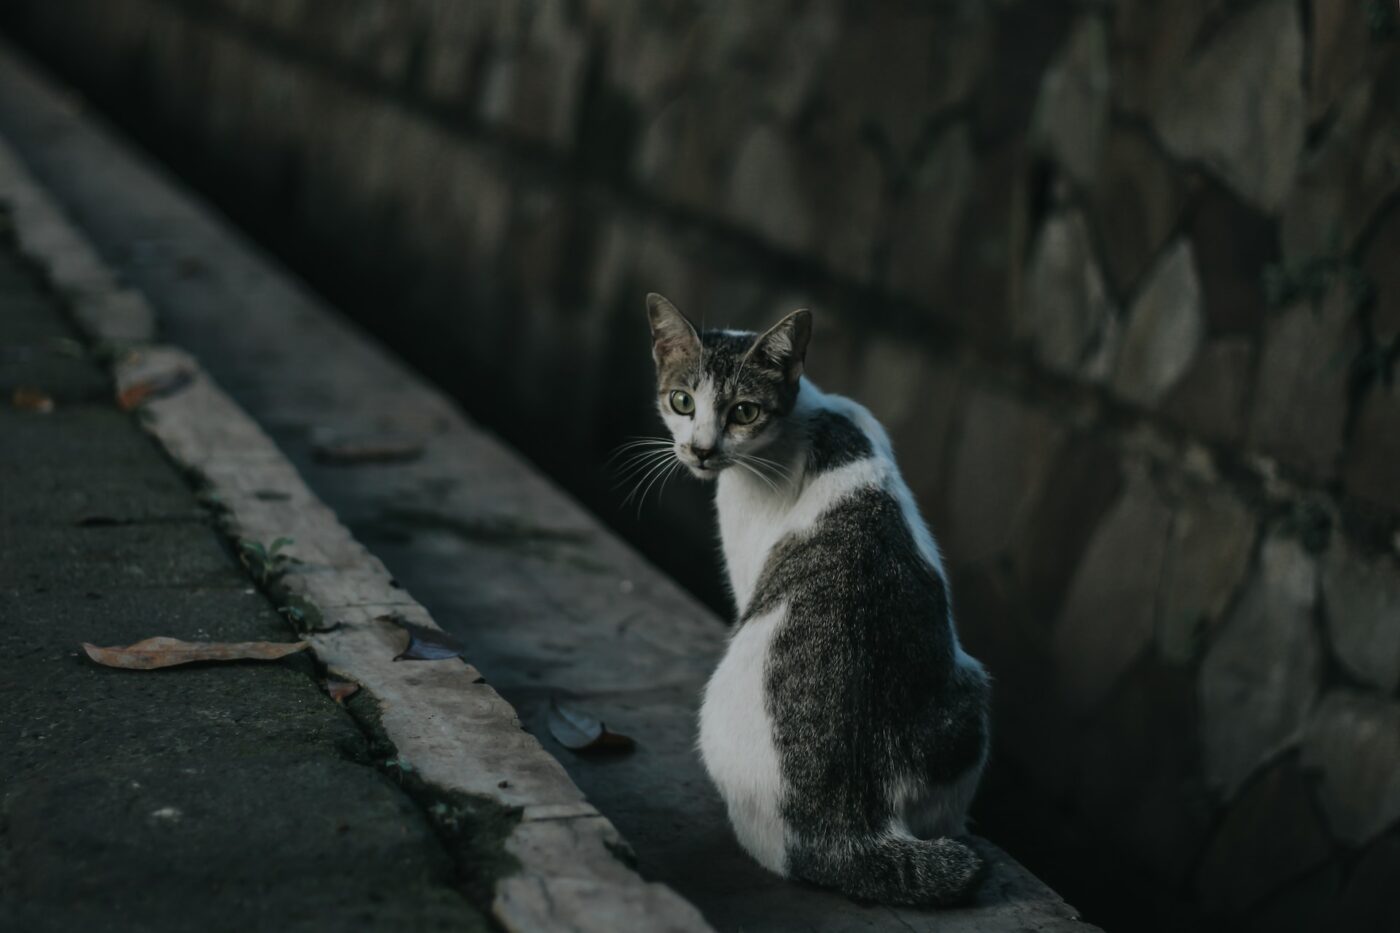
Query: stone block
x=816, y=197
x=649, y=70
x=1083, y=483
x=1136, y=201
x=1151, y=44
x=844, y=179
x=1353, y=742
x=1211, y=397
x=933, y=57
x=1006, y=93
x=991, y=242
x=457, y=38
x=1003, y=452
x=1368, y=901
x=1207, y=555
x=1111, y=609
x=1303, y=905
x=1381, y=269
x=1164, y=330
x=535, y=89
x=1362, y=596
x=1234, y=245
x=1269, y=836
x=1071, y=113
x=1348, y=176
x=924, y=223
x=1301, y=392
x=1065, y=312
x=922, y=395
x=1259, y=677
x=889, y=370
x=1237, y=105
x=374, y=38
x=1137, y=778
x=1370, y=470
x=687, y=149
x=765, y=190
x=1342, y=50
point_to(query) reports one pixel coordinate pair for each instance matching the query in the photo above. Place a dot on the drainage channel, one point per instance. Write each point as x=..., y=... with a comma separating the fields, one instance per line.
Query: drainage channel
x=547, y=602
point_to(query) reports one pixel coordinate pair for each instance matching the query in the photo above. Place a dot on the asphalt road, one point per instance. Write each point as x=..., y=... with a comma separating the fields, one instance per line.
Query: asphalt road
x=212, y=797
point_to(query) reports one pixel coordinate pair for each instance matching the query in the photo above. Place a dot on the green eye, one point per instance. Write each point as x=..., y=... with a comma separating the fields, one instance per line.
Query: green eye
x=744, y=413
x=682, y=403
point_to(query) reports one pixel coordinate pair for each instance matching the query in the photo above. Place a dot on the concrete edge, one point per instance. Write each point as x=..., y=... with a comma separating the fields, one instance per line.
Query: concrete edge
x=455, y=731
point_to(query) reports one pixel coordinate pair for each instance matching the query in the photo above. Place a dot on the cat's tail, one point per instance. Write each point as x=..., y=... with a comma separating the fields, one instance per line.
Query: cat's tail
x=899, y=870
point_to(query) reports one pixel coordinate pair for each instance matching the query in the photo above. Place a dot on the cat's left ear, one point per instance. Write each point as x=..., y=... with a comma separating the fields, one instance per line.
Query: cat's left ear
x=672, y=335
x=785, y=344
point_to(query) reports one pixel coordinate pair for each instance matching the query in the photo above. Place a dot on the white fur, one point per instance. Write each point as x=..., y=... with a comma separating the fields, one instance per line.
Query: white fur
x=736, y=743
x=736, y=728
x=703, y=427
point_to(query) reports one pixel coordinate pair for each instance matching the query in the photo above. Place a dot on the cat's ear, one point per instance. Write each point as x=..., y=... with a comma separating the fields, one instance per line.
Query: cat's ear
x=784, y=345
x=672, y=336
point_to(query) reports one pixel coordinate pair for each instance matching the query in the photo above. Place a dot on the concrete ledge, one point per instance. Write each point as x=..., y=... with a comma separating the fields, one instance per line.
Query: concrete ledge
x=454, y=730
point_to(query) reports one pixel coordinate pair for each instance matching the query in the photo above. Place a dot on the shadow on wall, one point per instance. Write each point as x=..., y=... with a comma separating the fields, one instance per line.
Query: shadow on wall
x=1119, y=280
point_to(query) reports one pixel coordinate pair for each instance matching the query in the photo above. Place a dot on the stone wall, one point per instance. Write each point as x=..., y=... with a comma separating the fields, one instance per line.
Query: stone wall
x=1120, y=277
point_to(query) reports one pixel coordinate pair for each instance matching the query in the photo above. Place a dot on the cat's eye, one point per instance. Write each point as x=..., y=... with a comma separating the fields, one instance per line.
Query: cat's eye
x=744, y=413
x=682, y=403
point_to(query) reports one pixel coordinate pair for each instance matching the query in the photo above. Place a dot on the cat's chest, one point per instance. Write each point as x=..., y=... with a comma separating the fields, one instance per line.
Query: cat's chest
x=750, y=524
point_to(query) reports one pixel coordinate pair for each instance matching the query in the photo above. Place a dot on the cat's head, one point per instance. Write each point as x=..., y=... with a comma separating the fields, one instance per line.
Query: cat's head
x=724, y=394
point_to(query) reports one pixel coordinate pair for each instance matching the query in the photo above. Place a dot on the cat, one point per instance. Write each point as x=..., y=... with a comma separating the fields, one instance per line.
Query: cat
x=845, y=727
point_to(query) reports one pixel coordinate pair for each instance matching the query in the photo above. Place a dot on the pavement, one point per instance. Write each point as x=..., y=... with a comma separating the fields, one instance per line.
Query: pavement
x=214, y=796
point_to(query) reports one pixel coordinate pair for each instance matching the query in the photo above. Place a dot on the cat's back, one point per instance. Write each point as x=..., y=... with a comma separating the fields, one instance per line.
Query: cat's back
x=853, y=542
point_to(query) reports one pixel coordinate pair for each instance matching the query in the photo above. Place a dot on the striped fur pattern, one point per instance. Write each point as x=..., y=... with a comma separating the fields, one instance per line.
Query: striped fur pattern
x=845, y=727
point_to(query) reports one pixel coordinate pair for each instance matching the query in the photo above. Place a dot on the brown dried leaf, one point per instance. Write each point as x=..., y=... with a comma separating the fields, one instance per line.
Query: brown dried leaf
x=161, y=386
x=341, y=690
x=26, y=399
x=583, y=733
x=152, y=653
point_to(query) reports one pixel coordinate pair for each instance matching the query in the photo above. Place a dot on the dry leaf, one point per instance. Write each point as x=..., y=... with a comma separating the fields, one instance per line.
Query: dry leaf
x=341, y=690
x=157, y=652
x=161, y=386
x=347, y=451
x=32, y=400
x=580, y=732
x=424, y=644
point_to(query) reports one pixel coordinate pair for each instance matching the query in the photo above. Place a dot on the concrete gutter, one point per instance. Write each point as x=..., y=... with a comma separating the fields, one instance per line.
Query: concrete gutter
x=445, y=722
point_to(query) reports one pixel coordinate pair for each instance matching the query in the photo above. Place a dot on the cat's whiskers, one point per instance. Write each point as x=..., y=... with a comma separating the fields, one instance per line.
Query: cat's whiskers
x=641, y=474
x=653, y=470
x=637, y=456
x=676, y=469
x=781, y=469
x=639, y=442
x=755, y=471
x=665, y=475
x=641, y=464
x=766, y=469
x=644, y=451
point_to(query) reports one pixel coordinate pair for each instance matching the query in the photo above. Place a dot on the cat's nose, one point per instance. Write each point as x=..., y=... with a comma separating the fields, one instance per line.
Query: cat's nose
x=702, y=453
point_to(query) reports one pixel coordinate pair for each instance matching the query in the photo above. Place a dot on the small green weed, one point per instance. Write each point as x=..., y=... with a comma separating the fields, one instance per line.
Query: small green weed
x=265, y=563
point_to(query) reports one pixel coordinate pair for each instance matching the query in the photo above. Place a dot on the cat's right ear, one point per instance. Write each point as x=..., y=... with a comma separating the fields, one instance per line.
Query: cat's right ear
x=672, y=336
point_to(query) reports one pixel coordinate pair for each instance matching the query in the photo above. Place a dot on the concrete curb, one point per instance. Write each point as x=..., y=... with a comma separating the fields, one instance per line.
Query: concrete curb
x=456, y=731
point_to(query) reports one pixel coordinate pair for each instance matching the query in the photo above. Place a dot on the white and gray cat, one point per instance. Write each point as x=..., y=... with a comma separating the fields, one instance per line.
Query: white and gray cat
x=845, y=727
